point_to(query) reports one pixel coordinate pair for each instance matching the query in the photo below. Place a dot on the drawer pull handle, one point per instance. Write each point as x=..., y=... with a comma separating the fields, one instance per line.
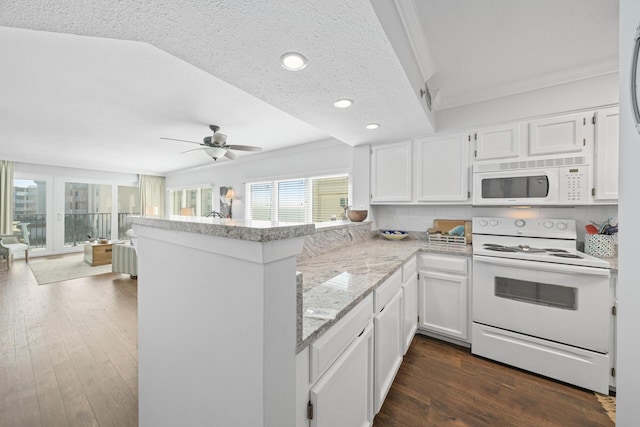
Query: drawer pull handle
x=109, y=250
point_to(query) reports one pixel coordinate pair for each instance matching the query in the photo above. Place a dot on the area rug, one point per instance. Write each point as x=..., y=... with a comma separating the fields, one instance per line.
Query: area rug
x=56, y=269
x=608, y=404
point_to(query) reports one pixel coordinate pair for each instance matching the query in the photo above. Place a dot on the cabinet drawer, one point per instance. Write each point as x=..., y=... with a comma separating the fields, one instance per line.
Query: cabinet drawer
x=383, y=293
x=444, y=263
x=101, y=250
x=408, y=269
x=326, y=349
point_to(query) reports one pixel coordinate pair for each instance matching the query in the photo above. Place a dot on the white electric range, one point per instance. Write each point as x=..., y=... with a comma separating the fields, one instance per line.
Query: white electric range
x=538, y=303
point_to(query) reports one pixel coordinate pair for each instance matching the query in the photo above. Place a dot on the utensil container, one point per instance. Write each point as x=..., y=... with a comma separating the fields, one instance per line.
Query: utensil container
x=600, y=245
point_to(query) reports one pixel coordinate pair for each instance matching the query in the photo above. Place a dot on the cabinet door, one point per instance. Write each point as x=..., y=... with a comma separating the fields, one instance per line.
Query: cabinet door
x=391, y=172
x=344, y=394
x=560, y=134
x=605, y=186
x=443, y=304
x=410, y=310
x=498, y=142
x=388, y=344
x=442, y=169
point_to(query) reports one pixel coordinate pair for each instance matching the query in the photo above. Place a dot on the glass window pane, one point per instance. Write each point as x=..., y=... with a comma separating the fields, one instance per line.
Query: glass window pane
x=128, y=204
x=87, y=212
x=260, y=202
x=537, y=293
x=30, y=207
x=292, y=201
x=330, y=197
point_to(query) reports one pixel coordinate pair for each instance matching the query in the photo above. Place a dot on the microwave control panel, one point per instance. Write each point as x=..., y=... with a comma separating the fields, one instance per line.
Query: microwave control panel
x=573, y=185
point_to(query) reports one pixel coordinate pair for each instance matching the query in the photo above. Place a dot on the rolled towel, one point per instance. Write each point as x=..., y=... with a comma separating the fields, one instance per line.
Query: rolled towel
x=457, y=231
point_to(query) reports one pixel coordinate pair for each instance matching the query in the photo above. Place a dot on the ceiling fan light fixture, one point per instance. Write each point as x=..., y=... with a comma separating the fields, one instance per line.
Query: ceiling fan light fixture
x=373, y=126
x=219, y=138
x=216, y=152
x=293, y=61
x=343, y=103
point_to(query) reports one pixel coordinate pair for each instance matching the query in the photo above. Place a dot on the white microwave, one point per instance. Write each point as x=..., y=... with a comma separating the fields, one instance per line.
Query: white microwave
x=566, y=185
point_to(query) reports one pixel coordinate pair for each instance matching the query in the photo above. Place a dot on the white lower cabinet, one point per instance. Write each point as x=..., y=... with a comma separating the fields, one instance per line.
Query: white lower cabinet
x=388, y=345
x=342, y=397
x=409, y=303
x=443, y=295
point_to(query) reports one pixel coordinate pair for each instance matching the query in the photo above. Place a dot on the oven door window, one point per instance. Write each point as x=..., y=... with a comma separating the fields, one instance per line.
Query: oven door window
x=556, y=296
x=519, y=187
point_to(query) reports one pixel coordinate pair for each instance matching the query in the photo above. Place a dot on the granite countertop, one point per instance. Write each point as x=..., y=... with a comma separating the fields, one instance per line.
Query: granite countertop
x=255, y=231
x=339, y=280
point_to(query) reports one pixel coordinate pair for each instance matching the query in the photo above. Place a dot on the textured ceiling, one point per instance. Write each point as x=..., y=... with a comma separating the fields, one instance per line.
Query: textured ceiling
x=144, y=69
x=125, y=95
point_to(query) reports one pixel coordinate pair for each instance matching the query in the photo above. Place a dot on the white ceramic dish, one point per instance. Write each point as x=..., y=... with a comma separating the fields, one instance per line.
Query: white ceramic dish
x=393, y=234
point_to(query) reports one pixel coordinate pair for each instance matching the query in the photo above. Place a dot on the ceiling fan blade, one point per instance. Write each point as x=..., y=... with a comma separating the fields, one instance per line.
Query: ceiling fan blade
x=180, y=140
x=230, y=155
x=244, y=147
x=195, y=149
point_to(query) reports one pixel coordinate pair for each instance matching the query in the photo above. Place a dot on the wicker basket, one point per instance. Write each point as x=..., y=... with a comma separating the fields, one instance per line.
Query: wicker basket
x=445, y=238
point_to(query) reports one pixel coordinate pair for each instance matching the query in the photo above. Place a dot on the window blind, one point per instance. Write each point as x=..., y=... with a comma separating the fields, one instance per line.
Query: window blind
x=260, y=201
x=292, y=201
x=314, y=199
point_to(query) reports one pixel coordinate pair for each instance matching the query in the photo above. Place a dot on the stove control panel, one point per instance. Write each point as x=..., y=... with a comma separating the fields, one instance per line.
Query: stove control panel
x=532, y=227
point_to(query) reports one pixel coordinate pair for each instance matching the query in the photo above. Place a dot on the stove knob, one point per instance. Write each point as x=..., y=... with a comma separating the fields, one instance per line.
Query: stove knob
x=548, y=224
x=520, y=222
x=561, y=225
x=493, y=222
x=483, y=222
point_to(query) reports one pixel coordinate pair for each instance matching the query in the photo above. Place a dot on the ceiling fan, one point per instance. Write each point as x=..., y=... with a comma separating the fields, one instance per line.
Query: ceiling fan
x=216, y=145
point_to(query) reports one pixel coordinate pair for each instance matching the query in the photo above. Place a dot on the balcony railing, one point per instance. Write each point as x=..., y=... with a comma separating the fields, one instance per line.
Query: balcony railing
x=76, y=227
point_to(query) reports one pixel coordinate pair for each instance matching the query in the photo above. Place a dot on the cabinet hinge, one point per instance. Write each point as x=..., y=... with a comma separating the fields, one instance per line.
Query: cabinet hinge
x=584, y=121
x=468, y=194
x=584, y=142
x=309, y=410
x=475, y=136
x=475, y=154
x=613, y=372
x=418, y=276
x=469, y=138
x=593, y=191
x=614, y=310
x=593, y=120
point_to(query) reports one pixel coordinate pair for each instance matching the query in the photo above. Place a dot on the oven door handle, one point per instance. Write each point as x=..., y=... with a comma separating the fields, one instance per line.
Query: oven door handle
x=543, y=266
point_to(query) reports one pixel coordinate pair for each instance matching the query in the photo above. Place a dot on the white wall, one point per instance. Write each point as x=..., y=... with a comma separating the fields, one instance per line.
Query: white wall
x=420, y=218
x=587, y=93
x=318, y=158
x=83, y=175
x=628, y=290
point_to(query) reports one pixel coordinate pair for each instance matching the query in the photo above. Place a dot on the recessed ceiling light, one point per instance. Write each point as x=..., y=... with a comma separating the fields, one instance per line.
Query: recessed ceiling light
x=293, y=61
x=343, y=103
x=372, y=126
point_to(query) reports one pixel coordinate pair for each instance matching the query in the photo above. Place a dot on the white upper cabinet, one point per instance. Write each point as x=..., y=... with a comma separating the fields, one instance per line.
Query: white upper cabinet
x=391, y=172
x=559, y=134
x=605, y=182
x=497, y=142
x=442, y=169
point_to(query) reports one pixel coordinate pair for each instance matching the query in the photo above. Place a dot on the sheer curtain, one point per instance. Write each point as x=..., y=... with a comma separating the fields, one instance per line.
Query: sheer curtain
x=152, y=191
x=6, y=196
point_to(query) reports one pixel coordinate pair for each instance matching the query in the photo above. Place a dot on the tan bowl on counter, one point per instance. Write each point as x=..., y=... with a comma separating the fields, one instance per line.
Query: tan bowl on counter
x=356, y=215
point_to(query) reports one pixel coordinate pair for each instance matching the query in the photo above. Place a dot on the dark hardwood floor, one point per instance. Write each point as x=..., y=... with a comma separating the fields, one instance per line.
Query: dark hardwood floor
x=442, y=384
x=68, y=350
x=68, y=357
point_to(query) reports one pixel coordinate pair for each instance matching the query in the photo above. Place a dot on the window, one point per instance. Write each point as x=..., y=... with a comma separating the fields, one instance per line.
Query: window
x=315, y=199
x=192, y=201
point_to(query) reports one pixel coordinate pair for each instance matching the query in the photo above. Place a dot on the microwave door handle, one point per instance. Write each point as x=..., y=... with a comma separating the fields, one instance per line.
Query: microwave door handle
x=543, y=266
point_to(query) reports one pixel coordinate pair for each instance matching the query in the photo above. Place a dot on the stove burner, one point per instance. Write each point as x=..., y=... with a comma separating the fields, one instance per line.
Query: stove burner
x=557, y=250
x=566, y=255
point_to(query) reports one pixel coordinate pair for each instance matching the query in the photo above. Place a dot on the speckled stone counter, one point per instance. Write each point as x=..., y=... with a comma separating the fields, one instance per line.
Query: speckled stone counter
x=339, y=280
x=254, y=231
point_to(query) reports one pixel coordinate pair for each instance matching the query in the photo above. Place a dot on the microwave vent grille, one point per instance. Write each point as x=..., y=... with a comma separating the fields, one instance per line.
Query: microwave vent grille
x=531, y=164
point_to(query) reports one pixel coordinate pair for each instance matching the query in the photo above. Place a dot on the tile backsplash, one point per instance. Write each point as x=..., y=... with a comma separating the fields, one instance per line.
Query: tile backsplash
x=420, y=218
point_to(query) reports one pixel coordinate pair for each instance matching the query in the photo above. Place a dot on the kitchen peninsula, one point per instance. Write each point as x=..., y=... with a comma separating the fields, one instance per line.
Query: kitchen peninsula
x=217, y=321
